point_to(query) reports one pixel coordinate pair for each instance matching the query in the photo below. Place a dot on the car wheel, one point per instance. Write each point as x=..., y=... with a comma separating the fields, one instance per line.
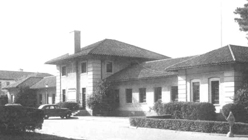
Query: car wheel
x=68, y=116
x=46, y=117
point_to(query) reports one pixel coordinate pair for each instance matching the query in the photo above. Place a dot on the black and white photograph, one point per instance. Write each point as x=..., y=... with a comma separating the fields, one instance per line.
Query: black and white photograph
x=123, y=70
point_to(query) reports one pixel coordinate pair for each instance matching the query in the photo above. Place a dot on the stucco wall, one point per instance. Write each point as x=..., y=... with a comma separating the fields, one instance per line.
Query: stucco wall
x=96, y=70
x=145, y=108
x=228, y=77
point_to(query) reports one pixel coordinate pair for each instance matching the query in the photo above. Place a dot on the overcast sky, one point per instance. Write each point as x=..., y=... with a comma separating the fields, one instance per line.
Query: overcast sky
x=33, y=32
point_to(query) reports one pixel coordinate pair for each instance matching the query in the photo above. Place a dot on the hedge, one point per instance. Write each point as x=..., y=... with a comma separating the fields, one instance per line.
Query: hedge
x=187, y=110
x=19, y=118
x=189, y=125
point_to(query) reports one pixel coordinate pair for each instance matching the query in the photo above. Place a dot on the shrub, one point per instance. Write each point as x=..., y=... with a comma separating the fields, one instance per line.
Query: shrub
x=188, y=110
x=238, y=111
x=189, y=125
x=26, y=97
x=103, y=101
x=19, y=118
x=73, y=106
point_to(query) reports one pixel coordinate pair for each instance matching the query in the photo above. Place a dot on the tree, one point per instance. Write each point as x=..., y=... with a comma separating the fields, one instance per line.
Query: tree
x=103, y=98
x=243, y=19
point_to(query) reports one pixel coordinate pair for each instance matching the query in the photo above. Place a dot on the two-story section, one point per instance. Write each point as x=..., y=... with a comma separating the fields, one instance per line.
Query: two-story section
x=79, y=73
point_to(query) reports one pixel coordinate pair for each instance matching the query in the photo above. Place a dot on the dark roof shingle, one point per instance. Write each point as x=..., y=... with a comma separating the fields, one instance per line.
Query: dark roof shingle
x=224, y=55
x=150, y=69
x=15, y=75
x=49, y=81
x=111, y=48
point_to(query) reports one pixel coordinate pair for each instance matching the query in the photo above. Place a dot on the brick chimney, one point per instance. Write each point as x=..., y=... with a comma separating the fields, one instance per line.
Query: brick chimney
x=77, y=41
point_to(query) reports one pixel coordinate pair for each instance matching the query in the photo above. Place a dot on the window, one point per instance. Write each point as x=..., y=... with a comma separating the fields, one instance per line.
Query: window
x=157, y=93
x=142, y=95
x=174, y=93
x=215, y=91
x=109, y=67
x=195, y=91
x=83, y=67
x=53, y=98
x=129, y=95
x=63, y=95
x=63, y=70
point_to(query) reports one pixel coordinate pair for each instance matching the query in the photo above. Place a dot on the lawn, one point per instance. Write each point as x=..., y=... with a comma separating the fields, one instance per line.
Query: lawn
x=31, y=136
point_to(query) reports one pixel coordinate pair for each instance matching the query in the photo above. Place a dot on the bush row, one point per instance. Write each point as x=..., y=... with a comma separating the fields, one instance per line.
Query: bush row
x=186, y=110
x=19, y=118
x=189, y=125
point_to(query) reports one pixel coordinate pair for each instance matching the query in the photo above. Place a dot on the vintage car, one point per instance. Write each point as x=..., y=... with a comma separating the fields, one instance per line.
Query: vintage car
x=51, y=110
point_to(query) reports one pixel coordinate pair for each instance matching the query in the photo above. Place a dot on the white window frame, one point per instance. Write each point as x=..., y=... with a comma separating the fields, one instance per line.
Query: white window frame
x=210, y=89
x=86, y=69
x=191, y=89
x=106, y=66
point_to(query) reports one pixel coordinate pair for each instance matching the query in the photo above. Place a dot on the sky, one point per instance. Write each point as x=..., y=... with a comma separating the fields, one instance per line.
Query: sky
x=35, y=31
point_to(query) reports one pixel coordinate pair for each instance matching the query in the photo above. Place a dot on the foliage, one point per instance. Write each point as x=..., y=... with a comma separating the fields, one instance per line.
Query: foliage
x=3, y=100
x=243, y=19
x=26, y=97
x=103, y=98
x=187, y=110
x=158, y=107
x=189, y=125
x=73, y=106
x=238, y=111
x=19, y=118
x=241, y=96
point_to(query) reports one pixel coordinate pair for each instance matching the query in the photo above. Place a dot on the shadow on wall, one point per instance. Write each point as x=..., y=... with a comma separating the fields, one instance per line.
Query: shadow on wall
x=32, y=136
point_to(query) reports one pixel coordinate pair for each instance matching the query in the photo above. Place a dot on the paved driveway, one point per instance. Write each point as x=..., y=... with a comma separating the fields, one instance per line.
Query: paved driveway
x=114, y=128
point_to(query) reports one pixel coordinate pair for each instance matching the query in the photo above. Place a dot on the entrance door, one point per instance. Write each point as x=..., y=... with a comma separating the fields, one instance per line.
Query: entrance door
x=83, y=98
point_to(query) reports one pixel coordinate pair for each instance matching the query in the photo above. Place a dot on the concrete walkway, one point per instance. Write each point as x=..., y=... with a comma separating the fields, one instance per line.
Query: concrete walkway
x=113, y=128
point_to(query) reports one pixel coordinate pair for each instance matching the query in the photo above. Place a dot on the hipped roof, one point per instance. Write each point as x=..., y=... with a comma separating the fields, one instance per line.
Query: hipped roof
x=110, y=47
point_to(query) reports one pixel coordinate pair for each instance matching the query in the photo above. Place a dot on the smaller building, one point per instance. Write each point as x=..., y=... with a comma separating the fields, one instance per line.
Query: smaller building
x=14, y=81
x=45, y=90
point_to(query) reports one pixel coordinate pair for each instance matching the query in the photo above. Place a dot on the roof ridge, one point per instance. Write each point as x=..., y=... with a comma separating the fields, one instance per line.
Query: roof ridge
x=231, y=51
x=183, y=61
x=101, y=42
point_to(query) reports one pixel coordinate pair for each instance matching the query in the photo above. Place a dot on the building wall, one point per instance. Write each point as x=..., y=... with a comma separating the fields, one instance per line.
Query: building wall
x=229, y=82
x=137, y=108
